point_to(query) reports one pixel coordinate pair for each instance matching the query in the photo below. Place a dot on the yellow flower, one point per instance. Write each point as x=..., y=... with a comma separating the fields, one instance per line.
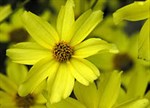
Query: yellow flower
x=59, y=55
x=139, y=10
x=137, y=87
x=9, y=84
x=104, y=94
x=126, y=60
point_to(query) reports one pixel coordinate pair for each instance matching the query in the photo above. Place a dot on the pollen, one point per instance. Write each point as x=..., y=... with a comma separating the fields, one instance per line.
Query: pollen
x=62, y=52
x=24, y=102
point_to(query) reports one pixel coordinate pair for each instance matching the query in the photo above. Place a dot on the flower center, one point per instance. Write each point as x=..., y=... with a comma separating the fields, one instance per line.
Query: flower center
x=24, y=102
x=18, y=35
x=123, y=62
x=62, y=52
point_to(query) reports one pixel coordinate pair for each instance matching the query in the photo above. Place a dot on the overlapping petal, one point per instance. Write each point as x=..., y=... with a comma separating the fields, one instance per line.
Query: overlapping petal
x=136, y=103
x=144, y=41
x=133, y=12
x=61, y=85
x=83, y=70
x=108, y=89
x=84, y=25
x=77, y=75
x=7, y=85
x=16, y=72
x=138, y=84
x=67, y=103
x=36, y=75
x=6, y=100
x=65, y=20
x=87, y=95
x=41, y=31
x=27, y=53
x=92, y=46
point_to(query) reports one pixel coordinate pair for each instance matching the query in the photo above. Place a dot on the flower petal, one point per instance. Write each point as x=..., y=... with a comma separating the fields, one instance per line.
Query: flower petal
x=7, y=84
x=16, y=72
x=92, y=46
x=108, y=89
x=84, y=25
x=85, y=69
x=138, y=84
x=6, y=100
x=77, y=75
x=61, y=85
x=67, y=103
x=36, y=75
x=41, y=31
x=65, y=20
x=138, y=103
x=87, y=93
x=5, y=11
x=133, y=12
x=27, y=53
x=144, y=41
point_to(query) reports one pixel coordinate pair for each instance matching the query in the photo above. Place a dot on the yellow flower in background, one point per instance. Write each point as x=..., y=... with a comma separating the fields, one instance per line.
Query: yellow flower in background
x=5, y=11
x=136, y=11
x=59, y=55
x=67, y=103
x=126, y=60
x=9, y=84
x=105, y=93
x=13, y=31
x=137, y=87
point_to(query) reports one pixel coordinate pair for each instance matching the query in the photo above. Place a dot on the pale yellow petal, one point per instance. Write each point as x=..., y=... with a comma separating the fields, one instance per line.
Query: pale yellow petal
x=87, y=94
x=36, y=75
x=85, y=68
x=67, y=103
x=41, y=31
x=92, y=46
x=133, y=12
x=16, y=72
x=62, y=85
x=84, y=25
x=65, y=20
x=5, y=11
x=27, y=53
x=7, y=84
x=77, y=75
x=144, y=41
x=108, y=89
x=138, y=103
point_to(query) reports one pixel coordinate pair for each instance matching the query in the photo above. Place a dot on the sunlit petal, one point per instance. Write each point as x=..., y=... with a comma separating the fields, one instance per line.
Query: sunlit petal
x=87, y=93
x=16, y=72
x=27, y=53
x=85, y=69
x=144, y=41
x=133, y=12
x=65, y=20
x=36, y=75
x=84, y=25
x=62, y=84
x=92, y=46
x=41, y=31
x=7, y=85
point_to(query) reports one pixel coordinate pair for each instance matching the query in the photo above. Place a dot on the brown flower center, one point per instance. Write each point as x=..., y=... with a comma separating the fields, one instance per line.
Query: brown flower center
x=123, y=62
x=18, y=35
x=62, y=52
x=24, y=102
